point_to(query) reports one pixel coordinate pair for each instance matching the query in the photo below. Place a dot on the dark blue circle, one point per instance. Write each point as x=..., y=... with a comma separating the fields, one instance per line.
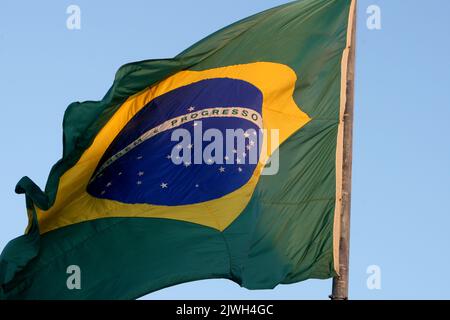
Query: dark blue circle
x=146, y=175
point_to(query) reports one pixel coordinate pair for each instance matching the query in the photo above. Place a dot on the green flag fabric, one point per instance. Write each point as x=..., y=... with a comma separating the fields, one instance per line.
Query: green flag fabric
x=120, y=218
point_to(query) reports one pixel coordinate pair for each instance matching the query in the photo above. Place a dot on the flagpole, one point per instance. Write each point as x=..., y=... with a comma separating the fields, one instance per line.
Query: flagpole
x=340, y=283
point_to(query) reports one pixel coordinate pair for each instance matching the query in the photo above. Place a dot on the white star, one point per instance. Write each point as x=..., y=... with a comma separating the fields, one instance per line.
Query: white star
x=227, y=157
x=164, y=185
x=244, y=154
x=209, y=161
x=196, y=185
x=141, y=173
x=187, y=164
x=254, y=133
x=169, y=156
x=179, y=146
x=119, y=174
x=234, y=151
x=109, y=184
x=238, y=160
x=139, y=183
x=195, y=123
x=246, y=134
x=222, y=169
x=139, y=158
x=248, y=147
x=240, y=169
x=252, y=143
x=190, y=146
x=103, y=192
x=190, y=109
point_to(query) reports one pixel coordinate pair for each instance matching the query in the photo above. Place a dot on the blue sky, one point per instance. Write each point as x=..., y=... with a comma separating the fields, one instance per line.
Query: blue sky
x=401, y=176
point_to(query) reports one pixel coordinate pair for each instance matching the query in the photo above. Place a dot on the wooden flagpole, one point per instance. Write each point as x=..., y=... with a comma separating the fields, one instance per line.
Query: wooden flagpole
x=340, y=283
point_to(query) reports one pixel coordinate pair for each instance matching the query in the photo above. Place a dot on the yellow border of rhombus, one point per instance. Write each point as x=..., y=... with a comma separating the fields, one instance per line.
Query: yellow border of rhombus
x=73, y=204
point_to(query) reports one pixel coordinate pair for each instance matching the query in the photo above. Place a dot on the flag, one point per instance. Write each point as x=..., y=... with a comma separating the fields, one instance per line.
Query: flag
x=173, y=177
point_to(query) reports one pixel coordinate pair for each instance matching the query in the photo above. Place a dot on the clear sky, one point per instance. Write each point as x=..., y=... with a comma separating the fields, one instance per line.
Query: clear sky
x=401, y=185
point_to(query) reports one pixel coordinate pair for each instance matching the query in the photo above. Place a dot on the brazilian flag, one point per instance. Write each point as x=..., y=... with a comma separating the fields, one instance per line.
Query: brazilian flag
x=124, y=214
